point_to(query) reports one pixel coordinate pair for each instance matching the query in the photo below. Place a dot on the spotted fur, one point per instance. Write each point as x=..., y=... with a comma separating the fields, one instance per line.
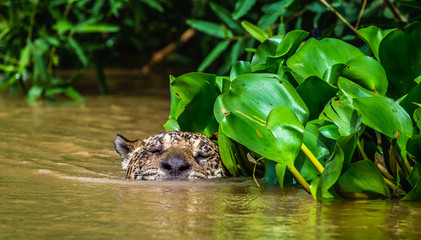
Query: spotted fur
x=170, y=154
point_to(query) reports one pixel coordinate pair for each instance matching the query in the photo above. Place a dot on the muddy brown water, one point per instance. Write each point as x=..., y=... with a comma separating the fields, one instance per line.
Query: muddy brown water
x=61, y=179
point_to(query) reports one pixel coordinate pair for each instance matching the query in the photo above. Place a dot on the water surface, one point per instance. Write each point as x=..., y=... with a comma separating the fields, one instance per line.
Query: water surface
x=61, y=179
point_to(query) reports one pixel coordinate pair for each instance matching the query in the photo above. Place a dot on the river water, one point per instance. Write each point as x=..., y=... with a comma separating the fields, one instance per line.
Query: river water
x=61, y=179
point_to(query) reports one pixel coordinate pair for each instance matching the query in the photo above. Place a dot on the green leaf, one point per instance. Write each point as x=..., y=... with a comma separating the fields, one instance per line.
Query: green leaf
x=8, y=68
x=242, y=7
x=229, y=153
x=245, y=116
x=96, y=28
x=414, y=96
x=265, y=50
x=209, y=28
x=353, y=90
x=195, y=91
x=290, y=43
x=341, y=112
x=226, y=17
x=384, y=115
x=316, y=93
x=400, y=55
x=373, y=35
x=368, y=73
x=272, y=12
x=331, y=173
x=154, y=4
x=287, y=131
x=34, y=93
x=330, y=131
x=243, y=97
x=417, y=117
x=315, y=57
x=78, y=50
x=414, y=147
x=62, y=26
x=333, y=73
x=415, y=174
x=415, y=193
x=255, y=31
x=171, y=124
x=239, y=68
x=25, y=56
x=364, y=177
x=39, y=65
x=73, y=94
x=213, y=55
x=232, y=56
x=317, y=144
x=280, y=174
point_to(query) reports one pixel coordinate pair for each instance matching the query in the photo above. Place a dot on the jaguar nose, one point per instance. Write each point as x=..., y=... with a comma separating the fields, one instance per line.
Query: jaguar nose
x=175, y=167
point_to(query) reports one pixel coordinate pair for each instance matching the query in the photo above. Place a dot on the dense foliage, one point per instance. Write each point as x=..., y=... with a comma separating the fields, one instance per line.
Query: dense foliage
x=38, y=36
x=345, y=121
x=335, y=18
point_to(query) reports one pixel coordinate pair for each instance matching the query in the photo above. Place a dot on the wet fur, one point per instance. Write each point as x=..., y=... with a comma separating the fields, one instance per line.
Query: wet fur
x=143, y=159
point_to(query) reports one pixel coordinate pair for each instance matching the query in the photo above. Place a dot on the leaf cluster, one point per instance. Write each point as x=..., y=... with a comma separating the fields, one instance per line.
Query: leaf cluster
x=342, y=122
x=38, y=36
x=230, y=33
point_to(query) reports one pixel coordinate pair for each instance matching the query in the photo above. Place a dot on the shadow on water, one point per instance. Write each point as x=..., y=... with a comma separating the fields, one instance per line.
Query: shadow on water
x=60, y=178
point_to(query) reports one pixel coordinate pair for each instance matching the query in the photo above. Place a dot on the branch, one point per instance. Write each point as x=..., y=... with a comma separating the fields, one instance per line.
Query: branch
x=340, y=17
x=161, y=54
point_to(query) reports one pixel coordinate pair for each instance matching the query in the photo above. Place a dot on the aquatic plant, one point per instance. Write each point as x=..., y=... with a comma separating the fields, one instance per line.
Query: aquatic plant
x=344, y=123
x=228, y=35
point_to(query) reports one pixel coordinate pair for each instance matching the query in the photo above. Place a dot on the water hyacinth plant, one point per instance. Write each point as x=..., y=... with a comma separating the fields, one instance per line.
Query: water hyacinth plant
x=344, y=123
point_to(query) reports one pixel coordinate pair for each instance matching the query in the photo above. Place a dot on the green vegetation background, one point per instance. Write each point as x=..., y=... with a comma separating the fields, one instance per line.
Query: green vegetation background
x=39, y=36
x=361, y=124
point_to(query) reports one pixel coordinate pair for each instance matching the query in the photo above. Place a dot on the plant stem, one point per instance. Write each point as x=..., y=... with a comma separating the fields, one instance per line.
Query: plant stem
x=392, y=186
x=312, y=158
x=53, y=48
x=360, y=147
x=392, y=157
x=405, y=163
x=383, y=170
x=32, y=23
x=361, y=14
x=340, y=17
x=394, y=10
x=254, y=172
x=299, y=178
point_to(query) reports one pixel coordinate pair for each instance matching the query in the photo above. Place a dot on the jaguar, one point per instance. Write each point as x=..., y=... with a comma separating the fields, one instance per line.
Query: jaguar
x=170, y=155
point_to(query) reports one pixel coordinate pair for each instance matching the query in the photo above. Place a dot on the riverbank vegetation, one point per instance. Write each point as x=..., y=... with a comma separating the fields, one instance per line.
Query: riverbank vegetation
x=317, y=93
x=39, y=37
x=341, y=121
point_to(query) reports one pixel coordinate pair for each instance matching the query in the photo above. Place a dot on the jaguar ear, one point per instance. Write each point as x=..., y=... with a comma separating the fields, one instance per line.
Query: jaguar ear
x=125, y=147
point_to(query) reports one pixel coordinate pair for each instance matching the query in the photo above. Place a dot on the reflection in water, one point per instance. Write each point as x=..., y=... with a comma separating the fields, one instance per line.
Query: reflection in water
x=60, y=178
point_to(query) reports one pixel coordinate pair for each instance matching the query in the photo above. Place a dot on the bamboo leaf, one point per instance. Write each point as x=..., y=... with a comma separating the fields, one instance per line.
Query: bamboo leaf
x=153, y=4
x=79, y=51
x=213, y=55
x=226, y=17
x=242, y=7
x=209, y=28
x=255, y=31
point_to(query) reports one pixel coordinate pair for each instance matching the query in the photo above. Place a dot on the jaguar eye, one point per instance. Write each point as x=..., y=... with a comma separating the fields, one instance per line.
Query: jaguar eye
x=202, y=158
x=156, y=151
